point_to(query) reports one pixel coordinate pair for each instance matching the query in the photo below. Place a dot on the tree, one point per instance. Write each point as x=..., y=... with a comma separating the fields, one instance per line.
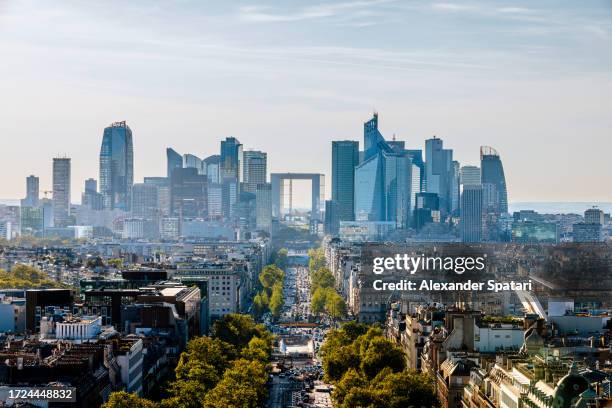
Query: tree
x=322, y=278
x=282, y=258
x=406, y=389
x=381, y=353
x=335, y=304
x=350, y=380
x=276, y=300
x=258, y=349
x=242, y=386
x=260, y=303
x=238, y=330
x=270, y=275
x=115, y=263
x=27, y=277
x=318, y=300
x=316, y=259
x=124, y=399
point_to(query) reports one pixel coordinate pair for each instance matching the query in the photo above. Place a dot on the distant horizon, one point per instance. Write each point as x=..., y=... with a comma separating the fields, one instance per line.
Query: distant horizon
x=543, y=207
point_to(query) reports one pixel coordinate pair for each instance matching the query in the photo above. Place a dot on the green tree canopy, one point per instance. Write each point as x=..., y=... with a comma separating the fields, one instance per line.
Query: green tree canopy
x=124, y=399
x=277, y=300
x=270, y=275
x=238, y=330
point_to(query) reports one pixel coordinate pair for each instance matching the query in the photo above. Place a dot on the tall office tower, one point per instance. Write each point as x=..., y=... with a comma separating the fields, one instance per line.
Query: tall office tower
x=91, y=198
x=469, y=176
x=594, y=216
x=231, y=158
x=47, y=209
x=145, y=201
x=254, y=170
x=229, y=196
x=32, y=192
x=187, y=193
x=471, y=224
x=173, y=161
x=332, y=218
x=117, y=166
x=416, y=155
x=492, y=173
x=213, y=165
x=215, y=200
x=91, y=185
x=193, y=161
x=383, y=180
x=31, y=221
x=345, y=157
x=263, y=205
x=61, y=191
x=438, y=172
x=455, y=187
x=163, y=193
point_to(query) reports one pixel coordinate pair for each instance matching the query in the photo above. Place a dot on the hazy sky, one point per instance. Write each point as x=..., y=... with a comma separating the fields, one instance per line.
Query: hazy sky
x=532, y=79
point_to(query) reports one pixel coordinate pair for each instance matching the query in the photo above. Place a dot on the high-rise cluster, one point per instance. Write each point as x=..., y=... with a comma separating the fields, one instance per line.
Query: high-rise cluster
x=386, y=186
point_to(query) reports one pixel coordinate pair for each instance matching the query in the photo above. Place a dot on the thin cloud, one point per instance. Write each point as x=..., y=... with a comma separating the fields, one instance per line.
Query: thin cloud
x=266, y=14
x=454, y=7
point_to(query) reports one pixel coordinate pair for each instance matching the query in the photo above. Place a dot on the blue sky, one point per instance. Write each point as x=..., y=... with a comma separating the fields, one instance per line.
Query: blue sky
x=532, y=79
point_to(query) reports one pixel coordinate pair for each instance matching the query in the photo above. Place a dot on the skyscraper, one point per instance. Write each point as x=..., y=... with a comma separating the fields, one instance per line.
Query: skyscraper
x=439, y=172
x=91, y=198
x=188, y=193
x=32, y=192
x=471, y=224
x=163, y=193
x=254, y=170
x=231, y=157
x=383, y=180
x=492, y=172
x=61, y=191
x=173, y=161
x=215, y=200
x=145, y=202
x=263, y=205
x=470, y=176
x=213, y=165
x=117, y=166
x=193, y=161
x=345, y=157
x=332, y=219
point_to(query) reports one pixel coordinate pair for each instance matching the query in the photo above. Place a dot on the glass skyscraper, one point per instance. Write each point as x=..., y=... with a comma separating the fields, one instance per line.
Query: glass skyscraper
x=61, y=192
x=439, y=172
x=254, y=170
x=174, y=161
x=383, y=181
x=231, y=157
x=345, y=158
x=188, y=193
x=32, y=192
x=493, y=179
x=471, y=224
x=117, y=166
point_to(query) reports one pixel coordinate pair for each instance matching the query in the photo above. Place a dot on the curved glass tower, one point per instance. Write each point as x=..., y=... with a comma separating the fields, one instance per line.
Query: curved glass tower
x=174, y=161
x=493, y=179
x=117, y=166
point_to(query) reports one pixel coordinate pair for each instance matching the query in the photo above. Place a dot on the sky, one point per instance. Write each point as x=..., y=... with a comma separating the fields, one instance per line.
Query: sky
x=531, y=79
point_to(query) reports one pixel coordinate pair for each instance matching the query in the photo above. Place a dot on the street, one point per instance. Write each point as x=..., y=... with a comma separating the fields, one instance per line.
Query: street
x=297, y=371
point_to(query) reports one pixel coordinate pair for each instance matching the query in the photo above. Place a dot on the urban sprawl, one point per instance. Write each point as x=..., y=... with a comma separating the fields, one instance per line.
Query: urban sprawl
x=209, y=287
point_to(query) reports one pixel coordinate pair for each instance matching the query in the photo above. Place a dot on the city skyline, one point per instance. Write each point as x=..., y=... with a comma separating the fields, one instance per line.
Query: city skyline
x=536, y=89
